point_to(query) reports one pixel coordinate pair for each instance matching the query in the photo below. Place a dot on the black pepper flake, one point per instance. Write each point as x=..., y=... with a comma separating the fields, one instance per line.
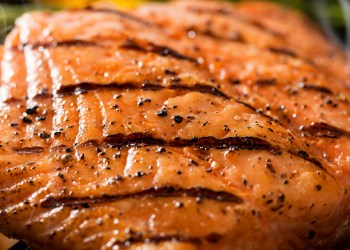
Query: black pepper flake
x=32, y=110
x=178, y=119
x=81, y=156
x=169, y=72
x=193, y=162
x=205, y=123
x=179, y=172
x=226, y=128
x=117, y=155
x=115, y=106
x=270, y=167
x=312, y=234
x=13, y=124
x=116, y=96
x=281, y=197
x=161, y=150
x=44, y=135
x=57, y=133
x=179, y=204
x=60, y=175
x=190, y=117
x=235, y=81
x=119, y=178
x=141, y=101
x=318, y=187
x=162, y=113
x=26, y=119
x=140, y=174
x=69, y=150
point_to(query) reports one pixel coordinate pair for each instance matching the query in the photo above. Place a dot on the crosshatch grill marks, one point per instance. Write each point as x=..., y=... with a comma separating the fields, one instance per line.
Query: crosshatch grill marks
x=197, y=192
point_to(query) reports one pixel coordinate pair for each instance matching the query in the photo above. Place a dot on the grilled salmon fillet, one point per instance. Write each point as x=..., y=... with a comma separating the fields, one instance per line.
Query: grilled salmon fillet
x=186, y=125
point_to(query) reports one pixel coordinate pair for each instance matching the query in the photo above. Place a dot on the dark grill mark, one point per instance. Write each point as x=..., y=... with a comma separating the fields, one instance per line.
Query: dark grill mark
x=201, y=10
x=84, y=87
x=162, y=192
x=135, y=139
x=121, y=14
x=200, y=88
x=67, y=43
x=321, y=129
x=283, y=51
x=304, y=155
x=158, y=239
x=232, y=37
x=29, y=150
x=157, y=49
x=213, y=238
x=316, y=88
x=237, y=16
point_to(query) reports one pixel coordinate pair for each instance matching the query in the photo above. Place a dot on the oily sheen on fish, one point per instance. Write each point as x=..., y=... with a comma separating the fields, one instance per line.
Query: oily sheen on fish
x=185, y=125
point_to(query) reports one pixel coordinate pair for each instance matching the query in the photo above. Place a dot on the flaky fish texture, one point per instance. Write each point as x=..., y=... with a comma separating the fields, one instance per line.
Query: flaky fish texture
x=185, y=125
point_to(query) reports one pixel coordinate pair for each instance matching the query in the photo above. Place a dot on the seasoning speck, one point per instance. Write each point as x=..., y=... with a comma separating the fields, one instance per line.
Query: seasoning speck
x=178, y=119
x=162, y=113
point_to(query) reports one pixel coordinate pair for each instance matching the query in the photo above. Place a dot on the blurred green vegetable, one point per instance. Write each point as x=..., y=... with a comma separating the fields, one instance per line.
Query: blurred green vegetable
x=9, y=13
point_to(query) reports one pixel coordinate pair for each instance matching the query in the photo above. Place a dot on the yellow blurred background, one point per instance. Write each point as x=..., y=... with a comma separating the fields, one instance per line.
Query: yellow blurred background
x=82, y=3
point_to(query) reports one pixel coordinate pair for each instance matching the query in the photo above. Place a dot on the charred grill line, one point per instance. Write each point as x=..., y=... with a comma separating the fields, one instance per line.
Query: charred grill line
x=157, y=49
x=158, y=239
x=234, y=37
x=29, y=150
x=67, y=43
x=121, y=14
x=162, y=192
x=200, y=88
x=84, y=87
x=245, y=143
x=316, y=88
x=321, y=129
x=283, y=51
x=217, y=11
x=129, y=44
x=305, y=156
x=224, y=12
